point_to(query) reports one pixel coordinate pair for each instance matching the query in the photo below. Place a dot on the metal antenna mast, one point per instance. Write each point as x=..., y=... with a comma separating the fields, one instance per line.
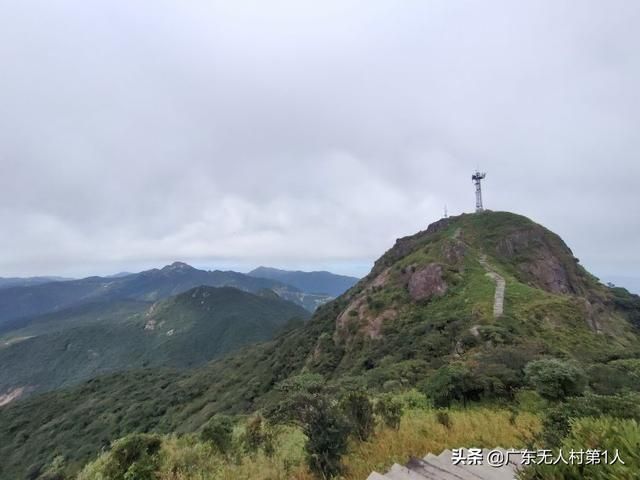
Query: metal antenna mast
x=477, y=178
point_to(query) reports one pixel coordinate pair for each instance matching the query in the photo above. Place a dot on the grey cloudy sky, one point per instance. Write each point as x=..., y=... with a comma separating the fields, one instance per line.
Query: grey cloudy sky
x=309, y=134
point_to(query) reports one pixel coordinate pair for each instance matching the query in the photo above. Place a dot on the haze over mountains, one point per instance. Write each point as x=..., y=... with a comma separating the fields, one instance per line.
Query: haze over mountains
x=58, y=333
x=21, y=302
x=318, y=282
x=182, y=331
x=428, y=304
x=28, y=281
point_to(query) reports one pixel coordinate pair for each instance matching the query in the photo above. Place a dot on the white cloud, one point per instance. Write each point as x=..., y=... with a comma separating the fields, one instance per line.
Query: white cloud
x=306, y=132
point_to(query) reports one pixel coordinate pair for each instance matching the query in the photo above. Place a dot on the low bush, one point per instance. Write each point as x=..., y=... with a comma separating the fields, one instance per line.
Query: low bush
x=555, y=379
x=134, y=457
x=359, y=411
x=389, y=410
x=598, y=435
x=218, y=431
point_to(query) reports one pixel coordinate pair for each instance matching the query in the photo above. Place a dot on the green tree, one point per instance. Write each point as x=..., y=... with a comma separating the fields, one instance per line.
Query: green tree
x=555, y=379
x=452, y=383
x=308, y=405
x=359, y=410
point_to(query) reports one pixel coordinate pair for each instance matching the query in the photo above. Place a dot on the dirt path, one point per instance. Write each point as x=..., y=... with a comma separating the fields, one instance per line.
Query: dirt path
x=498, y=299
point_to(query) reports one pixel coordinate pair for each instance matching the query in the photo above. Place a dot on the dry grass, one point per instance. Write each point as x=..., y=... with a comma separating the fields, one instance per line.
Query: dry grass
x=186, y=458
x=419, y=433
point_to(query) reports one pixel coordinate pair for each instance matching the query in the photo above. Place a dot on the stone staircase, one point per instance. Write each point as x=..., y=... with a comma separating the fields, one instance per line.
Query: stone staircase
x=441, y=467
x=498, y=300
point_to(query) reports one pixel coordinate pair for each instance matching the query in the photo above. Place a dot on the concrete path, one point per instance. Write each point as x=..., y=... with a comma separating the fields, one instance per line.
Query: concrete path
x=442, y=467
x=498, y=299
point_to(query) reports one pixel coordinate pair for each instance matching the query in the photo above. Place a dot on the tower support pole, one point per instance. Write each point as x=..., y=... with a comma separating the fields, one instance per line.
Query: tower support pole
x=477, y=180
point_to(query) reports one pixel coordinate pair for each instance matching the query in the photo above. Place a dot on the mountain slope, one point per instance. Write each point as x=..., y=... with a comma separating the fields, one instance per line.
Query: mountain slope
x=29, y=281
x=309, y=282
x=427, y=303
x=150, y=286
x=182, y=331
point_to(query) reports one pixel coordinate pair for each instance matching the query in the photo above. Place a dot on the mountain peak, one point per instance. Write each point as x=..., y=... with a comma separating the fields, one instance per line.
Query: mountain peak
x=178, y=266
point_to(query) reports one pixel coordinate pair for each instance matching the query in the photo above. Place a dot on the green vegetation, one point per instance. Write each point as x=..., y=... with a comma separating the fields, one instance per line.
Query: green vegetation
x=187, y=457
x=18, y=305
x=605, y=434
x=554, y=379
x=183, y=331
x=562, y=333
x=219, y=433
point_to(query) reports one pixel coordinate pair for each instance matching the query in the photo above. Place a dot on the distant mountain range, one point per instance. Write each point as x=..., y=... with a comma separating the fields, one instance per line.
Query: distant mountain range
x=431, y=314
x=63, y=348
x=25, y=301
x=59, y=332
x=28, y=281
x=310, y=282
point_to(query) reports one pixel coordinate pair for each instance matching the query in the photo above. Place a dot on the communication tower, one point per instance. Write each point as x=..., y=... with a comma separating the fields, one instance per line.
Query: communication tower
x=477, y=178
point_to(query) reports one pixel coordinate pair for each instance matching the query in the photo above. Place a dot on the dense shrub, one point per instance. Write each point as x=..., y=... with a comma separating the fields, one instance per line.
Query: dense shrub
x=604, y=434
x=258, y=435
x=554, y=379
x=321, y=419
x=218, y=431
x=327, y=431
x=54, y=471
x=390, y=411
x=615, y=377
x=451, y=383
x=359, y=411
x=558, y=418
x=134, y=457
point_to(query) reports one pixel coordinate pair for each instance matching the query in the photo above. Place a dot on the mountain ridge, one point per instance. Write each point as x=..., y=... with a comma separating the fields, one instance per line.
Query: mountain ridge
x=312, y=282
x=150, y=285
x=427, y=305
x=181, y=331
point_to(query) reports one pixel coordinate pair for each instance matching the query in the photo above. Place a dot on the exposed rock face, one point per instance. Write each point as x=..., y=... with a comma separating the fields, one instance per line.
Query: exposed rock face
x=11, y=395
x=540, y=262
x=549, y=274
x=427, y=282
x=453, y=251
x=368, y=321
x=594, y=313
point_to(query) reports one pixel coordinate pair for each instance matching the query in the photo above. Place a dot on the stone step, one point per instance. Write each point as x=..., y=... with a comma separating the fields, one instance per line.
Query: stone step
x=399, y=472
x=441, y=467
x=377, y=476
x=433, y=470
x=485, y=471
x=460, y=471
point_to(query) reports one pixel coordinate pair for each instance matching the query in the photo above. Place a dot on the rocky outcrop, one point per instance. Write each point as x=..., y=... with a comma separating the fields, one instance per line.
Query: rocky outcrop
x=453, y=251
x=544, y=261
x=548, y=273
x=427, y=282
x=11, y=395
x=366, y=320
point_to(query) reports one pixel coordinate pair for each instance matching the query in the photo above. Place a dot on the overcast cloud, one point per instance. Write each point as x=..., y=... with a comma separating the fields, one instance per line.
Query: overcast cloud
x=309, y=134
